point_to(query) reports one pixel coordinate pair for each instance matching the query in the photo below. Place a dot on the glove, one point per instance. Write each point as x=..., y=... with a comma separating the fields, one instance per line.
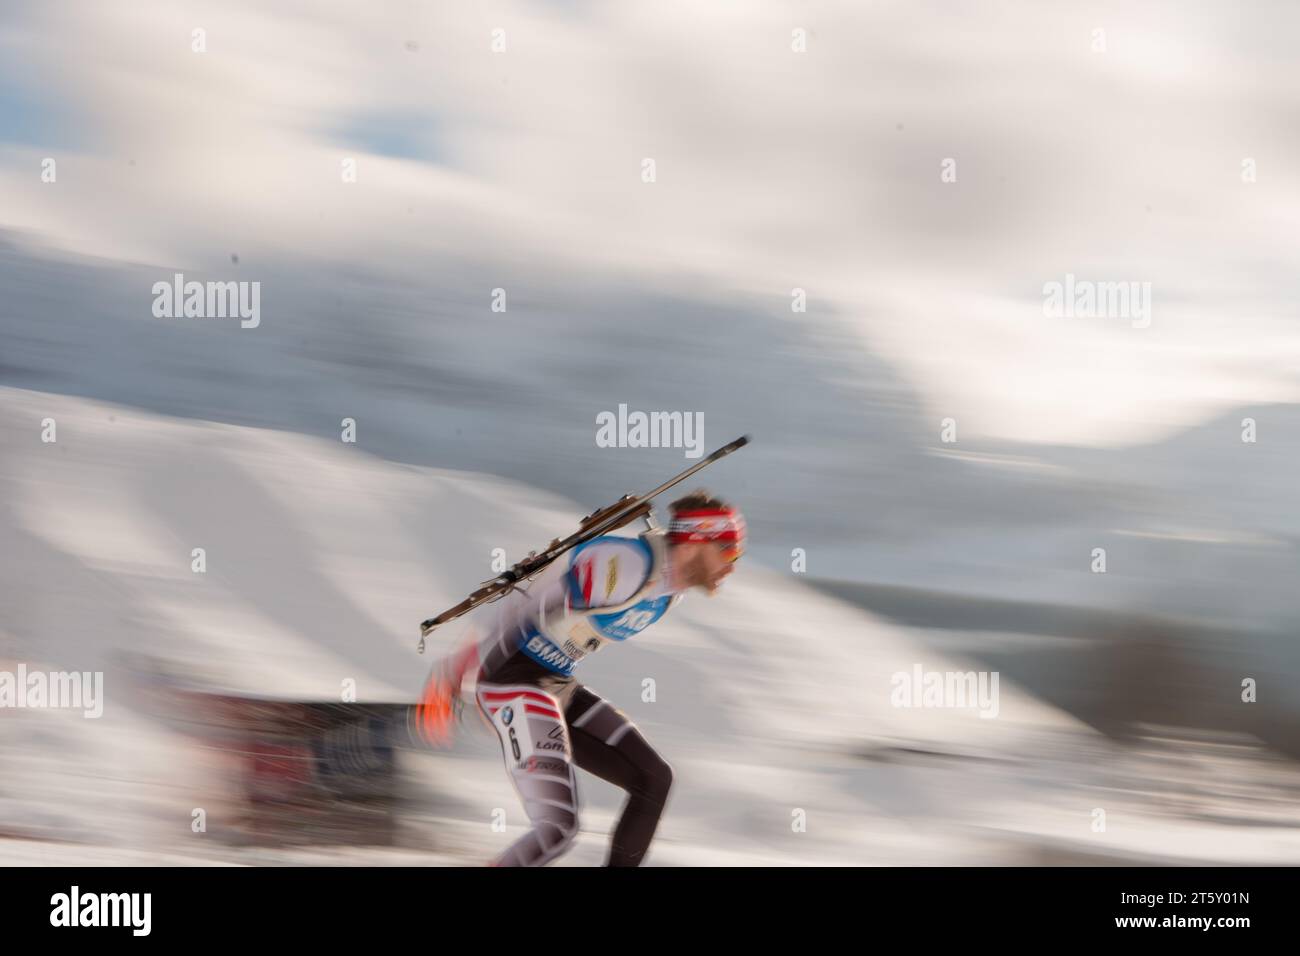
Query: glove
x=439, y=708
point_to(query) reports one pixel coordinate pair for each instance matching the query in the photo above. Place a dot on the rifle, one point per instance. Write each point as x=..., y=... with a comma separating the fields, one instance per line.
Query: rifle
x=622, y=512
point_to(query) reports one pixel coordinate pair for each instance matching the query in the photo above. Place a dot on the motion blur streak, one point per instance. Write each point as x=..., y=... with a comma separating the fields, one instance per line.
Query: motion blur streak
x=1019, y=585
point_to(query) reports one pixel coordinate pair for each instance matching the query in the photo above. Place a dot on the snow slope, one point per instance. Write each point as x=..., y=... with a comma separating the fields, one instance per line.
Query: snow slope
x=770, y=699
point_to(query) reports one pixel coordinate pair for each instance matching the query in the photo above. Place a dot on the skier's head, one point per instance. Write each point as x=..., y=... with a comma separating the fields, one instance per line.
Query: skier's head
x=706, y=536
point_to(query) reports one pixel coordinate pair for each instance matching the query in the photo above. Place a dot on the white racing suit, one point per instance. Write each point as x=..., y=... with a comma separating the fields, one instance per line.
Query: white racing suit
x=606, y=590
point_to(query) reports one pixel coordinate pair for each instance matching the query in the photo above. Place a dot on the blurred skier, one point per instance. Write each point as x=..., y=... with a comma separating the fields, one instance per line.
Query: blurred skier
x=606, y=590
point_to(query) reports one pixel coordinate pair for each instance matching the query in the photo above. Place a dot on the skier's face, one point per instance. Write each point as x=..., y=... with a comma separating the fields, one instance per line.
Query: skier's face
x=709, y=563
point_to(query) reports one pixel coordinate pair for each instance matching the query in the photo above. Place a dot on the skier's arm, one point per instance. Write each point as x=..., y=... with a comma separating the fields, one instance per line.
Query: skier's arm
x=491, y=637
x=464, y=659
x=494, y=636
x=440, y=701
x=606, y=573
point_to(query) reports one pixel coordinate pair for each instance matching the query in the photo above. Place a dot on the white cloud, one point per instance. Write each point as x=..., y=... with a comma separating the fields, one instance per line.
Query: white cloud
x=775, y=170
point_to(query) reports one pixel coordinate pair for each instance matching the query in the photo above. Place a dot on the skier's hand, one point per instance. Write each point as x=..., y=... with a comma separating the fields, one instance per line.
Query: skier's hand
x=439, y=707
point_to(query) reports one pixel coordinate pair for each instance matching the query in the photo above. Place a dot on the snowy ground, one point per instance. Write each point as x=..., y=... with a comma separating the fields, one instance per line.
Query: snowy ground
x=770, y=698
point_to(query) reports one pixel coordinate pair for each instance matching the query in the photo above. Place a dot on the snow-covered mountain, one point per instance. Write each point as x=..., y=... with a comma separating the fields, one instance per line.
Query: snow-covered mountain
x=320, y=560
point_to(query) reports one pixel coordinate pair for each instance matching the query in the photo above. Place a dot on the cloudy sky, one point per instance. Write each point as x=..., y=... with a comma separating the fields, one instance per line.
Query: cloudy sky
x=1113, y=156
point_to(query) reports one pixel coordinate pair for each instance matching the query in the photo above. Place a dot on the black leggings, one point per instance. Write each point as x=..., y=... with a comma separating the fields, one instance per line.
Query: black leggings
x=607, y=744
x=541, y=750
